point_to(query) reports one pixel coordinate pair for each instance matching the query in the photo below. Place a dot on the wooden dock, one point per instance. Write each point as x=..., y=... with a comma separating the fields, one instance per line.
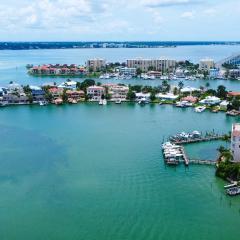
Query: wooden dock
x=186, y=160
x=196, y=140
x=185, y=157
x=203, y=162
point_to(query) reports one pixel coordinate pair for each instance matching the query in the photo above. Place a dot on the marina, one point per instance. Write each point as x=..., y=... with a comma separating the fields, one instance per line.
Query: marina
x=175, y=153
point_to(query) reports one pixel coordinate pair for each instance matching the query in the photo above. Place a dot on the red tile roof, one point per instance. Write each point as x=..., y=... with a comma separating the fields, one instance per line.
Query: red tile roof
x=233, y=94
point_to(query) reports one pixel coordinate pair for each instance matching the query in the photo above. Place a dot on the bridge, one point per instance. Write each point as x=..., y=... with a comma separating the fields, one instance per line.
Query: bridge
x=234, y=60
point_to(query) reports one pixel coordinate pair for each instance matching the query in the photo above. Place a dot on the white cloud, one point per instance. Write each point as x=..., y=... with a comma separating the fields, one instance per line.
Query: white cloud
x=168, y=3
x=189, y=15
x=210, y=12
x=50, y=14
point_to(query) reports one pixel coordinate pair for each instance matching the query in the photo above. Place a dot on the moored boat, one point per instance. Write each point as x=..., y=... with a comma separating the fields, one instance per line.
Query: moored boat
x=200, y=109
x=118, y=101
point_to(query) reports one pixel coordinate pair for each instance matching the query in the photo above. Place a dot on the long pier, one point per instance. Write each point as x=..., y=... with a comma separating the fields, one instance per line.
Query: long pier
x=185, y=157
x=203, y=162
x=196, y=140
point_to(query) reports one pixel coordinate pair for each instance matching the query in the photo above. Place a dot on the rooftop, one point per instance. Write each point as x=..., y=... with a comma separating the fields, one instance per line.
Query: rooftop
x=236, y=130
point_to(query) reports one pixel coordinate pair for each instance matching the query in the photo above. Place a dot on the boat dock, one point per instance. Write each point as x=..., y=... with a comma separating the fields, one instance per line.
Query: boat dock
x=196, y=140
x=174, y=151
x=185, y=157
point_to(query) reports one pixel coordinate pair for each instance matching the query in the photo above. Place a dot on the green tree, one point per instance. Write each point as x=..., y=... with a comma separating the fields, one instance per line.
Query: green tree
x=221, y=92
x=175, y=91
x=139, y=71
x=131, y=95
x=64, y=96
x=153, y=96
x=181, y=84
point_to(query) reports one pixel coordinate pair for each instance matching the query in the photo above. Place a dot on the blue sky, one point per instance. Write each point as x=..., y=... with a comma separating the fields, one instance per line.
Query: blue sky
x=92, y=20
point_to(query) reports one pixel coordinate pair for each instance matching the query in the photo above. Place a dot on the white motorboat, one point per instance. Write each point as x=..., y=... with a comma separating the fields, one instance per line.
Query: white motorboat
x=118, y=101
x=100, y=102
x=104, y=102
x=200, y=109
x=42, y=103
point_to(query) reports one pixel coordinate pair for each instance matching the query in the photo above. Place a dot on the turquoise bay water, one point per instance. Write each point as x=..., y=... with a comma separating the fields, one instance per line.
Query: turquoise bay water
x=12, y=63
x=91, y=172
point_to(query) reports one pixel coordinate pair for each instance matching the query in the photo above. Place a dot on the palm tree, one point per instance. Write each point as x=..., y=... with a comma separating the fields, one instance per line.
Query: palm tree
x=207, y=85
x=180, y=84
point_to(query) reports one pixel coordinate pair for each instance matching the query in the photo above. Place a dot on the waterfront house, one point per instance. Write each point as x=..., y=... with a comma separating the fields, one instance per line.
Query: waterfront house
x=95, y=93
x=75, y=95
x=64, y=71
x=142, y=96
x=190, y=89
x=211, y=100
x=190, y=99
x=233, y=94
x=56, y=92
x=14, y=87
x=44, y=70
x=15, y=98
x=223, y=105
x=168, y=96
x=117, y=92
x=68, y=85
x=235, y=142
x=37, y=93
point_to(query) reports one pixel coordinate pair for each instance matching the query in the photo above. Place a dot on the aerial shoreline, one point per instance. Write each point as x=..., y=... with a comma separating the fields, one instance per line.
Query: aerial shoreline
x=106, y=44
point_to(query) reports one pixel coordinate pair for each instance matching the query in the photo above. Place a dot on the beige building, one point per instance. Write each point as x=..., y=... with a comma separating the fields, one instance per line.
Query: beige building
x=206, y=64
x=96, y=64
x=95, y=93
x=145, y=65
x=235, y=142
x=117, y=92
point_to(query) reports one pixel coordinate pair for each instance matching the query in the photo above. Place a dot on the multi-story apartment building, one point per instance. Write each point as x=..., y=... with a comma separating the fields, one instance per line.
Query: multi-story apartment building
x=96, y=64
x=163, y=65
x=117, y=92
x=206, y=64
x=127, y=71
x=95, y=93
x=235, y=142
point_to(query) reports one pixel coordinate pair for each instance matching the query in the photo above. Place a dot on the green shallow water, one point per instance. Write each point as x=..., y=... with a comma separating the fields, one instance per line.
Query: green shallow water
x=91, y=172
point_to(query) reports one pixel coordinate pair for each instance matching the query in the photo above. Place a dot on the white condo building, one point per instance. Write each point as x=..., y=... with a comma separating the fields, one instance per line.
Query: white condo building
x=235, y=142
x=206, y=64
x=162, y=65
x=95, y=92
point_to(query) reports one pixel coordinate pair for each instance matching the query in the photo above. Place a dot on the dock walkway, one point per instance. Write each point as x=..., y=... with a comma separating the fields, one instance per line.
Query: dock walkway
x=196, y=140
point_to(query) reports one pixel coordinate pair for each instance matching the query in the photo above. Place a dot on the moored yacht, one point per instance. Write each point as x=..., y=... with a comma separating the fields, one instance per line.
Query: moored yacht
x=118, y=101
x=200, y=109
x=104, y=102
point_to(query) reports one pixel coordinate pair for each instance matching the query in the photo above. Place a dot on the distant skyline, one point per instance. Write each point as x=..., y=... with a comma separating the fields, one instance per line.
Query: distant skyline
x=119, y=20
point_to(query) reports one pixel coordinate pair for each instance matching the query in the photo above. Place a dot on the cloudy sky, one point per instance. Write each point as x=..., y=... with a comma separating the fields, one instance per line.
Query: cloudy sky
x=83, y=20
